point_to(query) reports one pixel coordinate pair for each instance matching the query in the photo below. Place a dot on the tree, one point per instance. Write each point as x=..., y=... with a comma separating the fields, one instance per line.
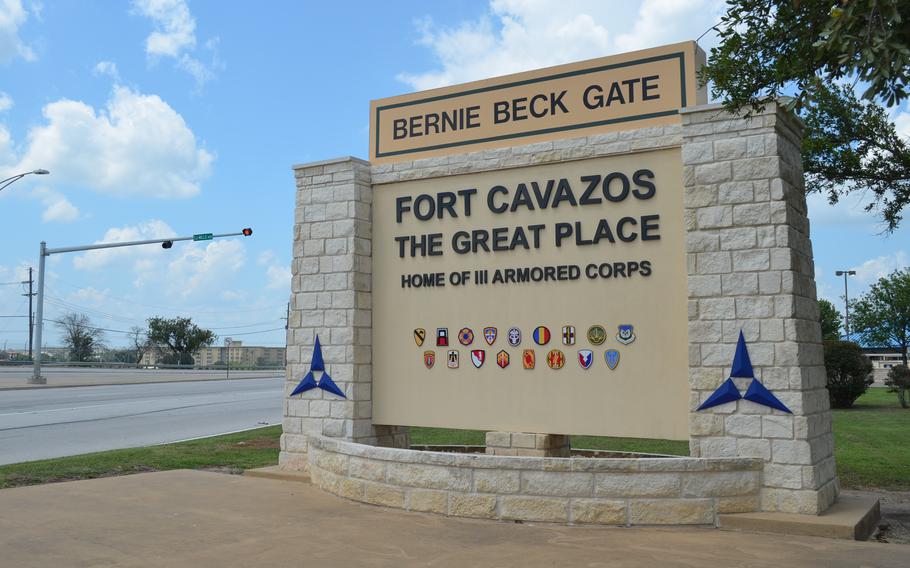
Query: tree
x=881, y=316
x=848, y=370
x=140, y=341
x=830, y=319
x=79, y=336
x=770, y=48
x=180, y=337
x=899, y=380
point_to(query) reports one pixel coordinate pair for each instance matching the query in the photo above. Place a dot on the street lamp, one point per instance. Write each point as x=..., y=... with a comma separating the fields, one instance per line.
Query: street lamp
x=8, y=181
x=846, y=273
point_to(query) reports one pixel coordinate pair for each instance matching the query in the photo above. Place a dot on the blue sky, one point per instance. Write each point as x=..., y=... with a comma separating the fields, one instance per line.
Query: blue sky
x=172, y=117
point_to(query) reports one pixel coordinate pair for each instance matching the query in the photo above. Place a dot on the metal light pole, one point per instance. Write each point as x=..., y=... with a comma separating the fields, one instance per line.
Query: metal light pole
x=36, y=378
x=227, y=345
x=9, y=181
x=846, y=273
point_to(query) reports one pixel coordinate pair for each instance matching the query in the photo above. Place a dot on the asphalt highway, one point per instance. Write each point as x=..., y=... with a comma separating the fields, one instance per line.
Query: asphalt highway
x=55, y=422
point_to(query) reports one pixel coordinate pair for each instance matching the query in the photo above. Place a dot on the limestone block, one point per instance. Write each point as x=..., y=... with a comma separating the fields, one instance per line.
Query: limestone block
x=522, y=440
x=496, y=481
x=557, y=483
x=637, y=484
x=754, y=448
x=743, y=426
x=427, y=501
x=476, y=506
x=501, y=439
x=381, y=494
x=671, y=512
x=777, y=426
x=362, y=468
x=429, y=476
x=796, y=452
x=720, y=484
x=524, y=508
x=598, y=511
x=740, y=504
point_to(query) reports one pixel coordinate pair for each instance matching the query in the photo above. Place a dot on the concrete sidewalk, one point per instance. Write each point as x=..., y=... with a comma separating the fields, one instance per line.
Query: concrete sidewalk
x=201, y=519
x=16, y=378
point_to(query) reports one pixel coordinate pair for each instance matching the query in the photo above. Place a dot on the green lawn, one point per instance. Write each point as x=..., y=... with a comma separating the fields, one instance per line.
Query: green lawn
x=872, y=442
x=872, y=445
x=233, y=453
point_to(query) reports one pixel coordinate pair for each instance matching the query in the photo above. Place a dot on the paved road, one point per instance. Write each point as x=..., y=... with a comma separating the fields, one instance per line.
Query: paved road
x=48, y=423
x=17, y=376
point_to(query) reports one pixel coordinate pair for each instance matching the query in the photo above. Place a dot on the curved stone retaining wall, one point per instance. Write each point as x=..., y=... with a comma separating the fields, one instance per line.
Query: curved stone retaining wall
x=644, y=491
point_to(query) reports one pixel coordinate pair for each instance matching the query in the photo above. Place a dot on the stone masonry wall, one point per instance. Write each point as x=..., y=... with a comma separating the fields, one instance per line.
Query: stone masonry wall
x=653, y=491
x=750, y=268
x=331, y=296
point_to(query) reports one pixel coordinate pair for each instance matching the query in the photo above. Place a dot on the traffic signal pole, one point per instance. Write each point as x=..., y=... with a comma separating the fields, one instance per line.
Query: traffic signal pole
x=44, y=252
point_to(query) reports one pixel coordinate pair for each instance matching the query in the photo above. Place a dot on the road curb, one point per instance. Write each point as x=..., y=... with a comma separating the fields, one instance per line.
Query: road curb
x=42, y=387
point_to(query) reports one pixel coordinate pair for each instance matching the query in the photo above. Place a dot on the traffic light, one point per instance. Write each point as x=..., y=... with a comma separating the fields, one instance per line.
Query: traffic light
x=167, y=244
x=247, y=232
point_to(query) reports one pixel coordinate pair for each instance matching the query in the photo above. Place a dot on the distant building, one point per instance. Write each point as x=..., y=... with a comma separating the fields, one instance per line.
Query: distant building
x=883, y=357
x=239, y=355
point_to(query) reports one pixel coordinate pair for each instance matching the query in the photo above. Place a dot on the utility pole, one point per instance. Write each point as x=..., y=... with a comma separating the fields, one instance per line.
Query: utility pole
x=31, y=314
x=44, y=252
x=227, y=345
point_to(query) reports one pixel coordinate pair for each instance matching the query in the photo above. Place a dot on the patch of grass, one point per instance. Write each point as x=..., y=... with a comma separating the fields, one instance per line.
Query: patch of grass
x=446, y=436
x=871, y=442
x=233, y=453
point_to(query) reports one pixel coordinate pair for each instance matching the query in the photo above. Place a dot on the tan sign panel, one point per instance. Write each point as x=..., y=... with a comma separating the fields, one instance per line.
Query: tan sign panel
x=632, y=90
x=549, y=298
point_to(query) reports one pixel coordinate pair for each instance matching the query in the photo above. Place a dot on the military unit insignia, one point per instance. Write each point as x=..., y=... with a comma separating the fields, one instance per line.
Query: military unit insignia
x=612, y=358
x=597, y=335
x=528, y=359
x=541, y=335
x=568, y=335
x=556, y=359
x=585, y=358
x=625, y=334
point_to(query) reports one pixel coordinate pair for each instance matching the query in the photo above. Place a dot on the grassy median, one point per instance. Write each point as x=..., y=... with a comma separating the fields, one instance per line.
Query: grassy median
x=871, y=441
x=231, y=453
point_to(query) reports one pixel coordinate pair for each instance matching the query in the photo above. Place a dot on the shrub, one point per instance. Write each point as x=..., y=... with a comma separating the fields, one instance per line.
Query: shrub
x=847, y=370
x=899, y=381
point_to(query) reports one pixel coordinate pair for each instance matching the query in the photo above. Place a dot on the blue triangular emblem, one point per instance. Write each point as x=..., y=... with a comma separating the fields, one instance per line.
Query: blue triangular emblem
x=306, y=384
x=727, y=392
x=318, y=364
x=742, y=365
x=327, y=384
x=758, y=394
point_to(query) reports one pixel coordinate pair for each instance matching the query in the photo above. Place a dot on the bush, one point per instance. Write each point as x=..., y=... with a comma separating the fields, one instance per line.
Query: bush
x=847, y=370
x=899, y=381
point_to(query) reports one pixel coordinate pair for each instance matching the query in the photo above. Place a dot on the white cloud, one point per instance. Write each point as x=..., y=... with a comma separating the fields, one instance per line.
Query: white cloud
x=108, y=68
x=902, y=121
x=143, y=256
x=266, y=257
x=91, y=296
x=57, y=208
x=201, y=269
x=7, y=157
x=881, y=266
x=12, y=16
x=6, y=102
x=279, y=277
x=136, y=145
x=517, y=35
x=174, y=36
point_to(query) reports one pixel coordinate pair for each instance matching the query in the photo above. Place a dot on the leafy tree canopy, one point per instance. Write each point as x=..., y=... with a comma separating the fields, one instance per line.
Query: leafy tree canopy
x=79, y=336
x=831, y=320
x=881, y=316
x=807, y=48
x=180, y=336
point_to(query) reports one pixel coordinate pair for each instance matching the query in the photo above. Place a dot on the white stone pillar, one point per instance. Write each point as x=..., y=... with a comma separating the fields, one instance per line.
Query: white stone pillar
x=750, y=268
x=331, y=297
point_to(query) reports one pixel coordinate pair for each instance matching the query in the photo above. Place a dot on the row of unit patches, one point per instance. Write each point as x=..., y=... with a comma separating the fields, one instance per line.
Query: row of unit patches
x=555, y=359
x=596, y=335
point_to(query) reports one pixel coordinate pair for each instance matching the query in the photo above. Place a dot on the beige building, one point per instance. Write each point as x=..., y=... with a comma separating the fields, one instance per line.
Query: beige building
x=241, y=355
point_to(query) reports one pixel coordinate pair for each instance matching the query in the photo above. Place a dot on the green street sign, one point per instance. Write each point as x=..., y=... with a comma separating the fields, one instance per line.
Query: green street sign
x=202, y=237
